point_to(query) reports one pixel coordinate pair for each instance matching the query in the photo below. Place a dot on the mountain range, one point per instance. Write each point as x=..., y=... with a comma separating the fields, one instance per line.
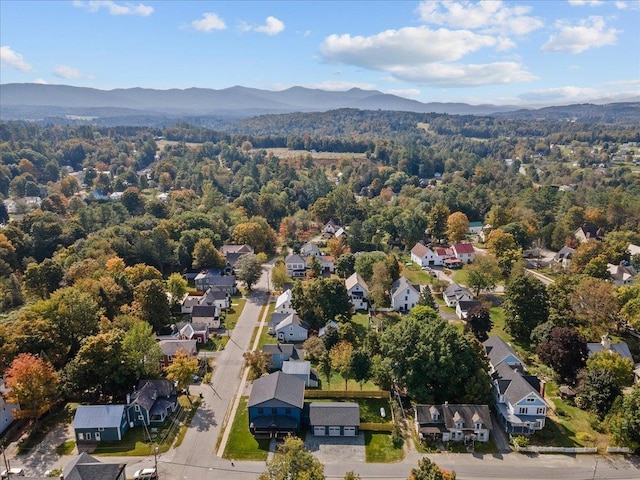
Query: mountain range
x=31, y=101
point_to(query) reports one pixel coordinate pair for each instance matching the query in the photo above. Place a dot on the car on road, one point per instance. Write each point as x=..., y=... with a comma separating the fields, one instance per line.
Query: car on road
x=146, y=474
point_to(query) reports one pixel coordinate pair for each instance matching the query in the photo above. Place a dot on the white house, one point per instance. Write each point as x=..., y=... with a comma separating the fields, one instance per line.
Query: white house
x=296, y=266
x=453, y=422
x=455, y=293
x=327, y=262
x=291, y=329
x=283, y=303
x=358, y=291
x=208, y=315
x=6, y=409
x=310, y=249
x=621, y=275
x=404, y=295
x=424, y=256
x=463, y=307
x=564, y=256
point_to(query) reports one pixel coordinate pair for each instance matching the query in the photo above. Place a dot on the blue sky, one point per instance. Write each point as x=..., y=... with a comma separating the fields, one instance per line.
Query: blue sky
x=509, y=52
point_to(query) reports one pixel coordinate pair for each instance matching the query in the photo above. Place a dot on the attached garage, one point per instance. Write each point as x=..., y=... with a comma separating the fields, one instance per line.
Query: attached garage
x=335, y=419
x=349, y=431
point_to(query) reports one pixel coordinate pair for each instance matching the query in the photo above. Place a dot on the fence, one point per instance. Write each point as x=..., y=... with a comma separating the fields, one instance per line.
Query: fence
x=619, y=450
x=346, y=394
x=536, y=449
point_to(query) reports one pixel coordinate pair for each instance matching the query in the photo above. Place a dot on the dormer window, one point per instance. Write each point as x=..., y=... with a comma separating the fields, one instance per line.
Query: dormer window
x=531, y=399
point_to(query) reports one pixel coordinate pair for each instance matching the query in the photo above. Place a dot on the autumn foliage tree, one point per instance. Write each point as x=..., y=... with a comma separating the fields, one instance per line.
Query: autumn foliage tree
x=182, y=369
x=33, y=384
x=457, y=227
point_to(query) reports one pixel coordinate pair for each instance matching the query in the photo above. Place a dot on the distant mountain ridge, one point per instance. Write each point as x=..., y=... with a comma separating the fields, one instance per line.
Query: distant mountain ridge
x=145, y=106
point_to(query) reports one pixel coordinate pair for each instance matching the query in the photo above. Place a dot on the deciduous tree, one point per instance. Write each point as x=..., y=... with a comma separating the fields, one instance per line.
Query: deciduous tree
x=293, y=462
x=341, y=360
x=257, y=362
x=141, y=351
x=182, y=370
x=248, y=269
x=483, y=273
x=427, y=470
x=565, y=351
x=526, y=306
x=151, y=303
x=620, y=369
x=33, y=384
x=457, y=227
x=624, y=421
x=479, y=323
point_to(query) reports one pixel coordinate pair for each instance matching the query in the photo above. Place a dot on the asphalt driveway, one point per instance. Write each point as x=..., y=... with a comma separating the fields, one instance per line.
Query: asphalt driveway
x=336, y=449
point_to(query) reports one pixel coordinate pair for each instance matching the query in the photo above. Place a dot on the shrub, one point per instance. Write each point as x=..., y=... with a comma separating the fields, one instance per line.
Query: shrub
x=520, y=441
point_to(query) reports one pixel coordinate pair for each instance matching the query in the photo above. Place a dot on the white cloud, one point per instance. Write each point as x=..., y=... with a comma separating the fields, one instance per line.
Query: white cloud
x=423, y=55
x=588, y=33
x=9, y=58
x=410, y=93
x=628, y=5
x=41, y=81
x=208, y=22
x=563, y=94
x=461, y=75
x=487, y=16
x=273, y=26
x=407, y=46
x=582, y=3
x=67, y=72
x=115, y=8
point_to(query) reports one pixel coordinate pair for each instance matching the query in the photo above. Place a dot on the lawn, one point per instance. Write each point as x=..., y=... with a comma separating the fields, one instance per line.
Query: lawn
x=264, y=336
x=241, y=444
x=231, y=317
x=369, y=408
x=380, y=449
x=461, y=277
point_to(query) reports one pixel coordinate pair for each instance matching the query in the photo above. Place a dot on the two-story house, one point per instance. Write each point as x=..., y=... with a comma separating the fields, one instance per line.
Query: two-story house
x=152, y=402
x=358, y=291
x=455, y=293
x=424, y=256
x=170, y=347
x=296, y=266
x=455, y=422
x=283, y=303
x=275, y=405
x=282, y=352
x=519, y=397
x=404, y=295
x=464, y=252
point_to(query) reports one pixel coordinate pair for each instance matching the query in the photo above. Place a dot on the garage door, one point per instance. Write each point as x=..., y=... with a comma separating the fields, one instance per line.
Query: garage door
x=349, y=431
x=334, y=431
x=319, y=431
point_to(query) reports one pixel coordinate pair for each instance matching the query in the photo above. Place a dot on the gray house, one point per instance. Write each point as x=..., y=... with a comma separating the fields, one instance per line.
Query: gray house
x=275, y=405
x=334, y=419
x=301, y=369
x=282, y=352
x=462, y=422
x=291, y=329
x=152, y=402
x=100, y=423
x=84, y=467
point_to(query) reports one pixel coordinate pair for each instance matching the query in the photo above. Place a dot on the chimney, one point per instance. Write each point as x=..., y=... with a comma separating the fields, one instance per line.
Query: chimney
x=543, y=386
x=128, y=398
x=606, y=342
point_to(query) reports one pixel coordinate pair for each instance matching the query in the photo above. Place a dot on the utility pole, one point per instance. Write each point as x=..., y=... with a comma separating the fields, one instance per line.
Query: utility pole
x=155, y=460
x=4, y=457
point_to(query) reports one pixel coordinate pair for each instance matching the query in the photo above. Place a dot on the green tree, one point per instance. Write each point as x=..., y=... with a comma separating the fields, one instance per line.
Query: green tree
x=361, y=366
x=42, y=279
x=346, y=265
x=483, y=273
x=321, y=300
x=479, y=323
x=526, y=306
x=150, y=303
x=141, y=351
x=619, y=368
x=314, y=348
x=177, y=287
x=426, y=298
x=133, y=201
x=205, y=254
x=182, y=370
x=248, y=269
x=379, y=285
x=33, y=384
x=624, y=421
x=293, y=462
x=325, y=367
x=438, y=220
x=314, y=267
x=427, y=470
x=598, y=392
x=435, y=362
x=503, y=246
x=341, y=359
x=279, y=276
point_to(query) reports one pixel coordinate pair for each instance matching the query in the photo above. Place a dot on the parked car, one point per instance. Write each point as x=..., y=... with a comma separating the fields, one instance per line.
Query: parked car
x=146, y=474
x=12, y=472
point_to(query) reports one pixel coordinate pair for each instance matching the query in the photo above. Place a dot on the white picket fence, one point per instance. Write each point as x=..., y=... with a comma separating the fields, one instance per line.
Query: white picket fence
x=537, y=449
x=619, y=450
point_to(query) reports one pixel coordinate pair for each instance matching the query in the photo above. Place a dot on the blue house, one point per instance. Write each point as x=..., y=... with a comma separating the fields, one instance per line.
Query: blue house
x=519, y=396
x=280, y=353
x=275, y=405
x=100, y=423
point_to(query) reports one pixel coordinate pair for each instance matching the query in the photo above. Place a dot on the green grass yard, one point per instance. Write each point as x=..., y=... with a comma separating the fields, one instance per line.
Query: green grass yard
x=380, y=449
x=241, y=444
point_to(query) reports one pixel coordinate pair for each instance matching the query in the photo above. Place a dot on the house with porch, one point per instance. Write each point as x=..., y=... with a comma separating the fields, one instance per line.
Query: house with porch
x=334, y=419
x=404, y=295
x=588, y=233
x=453, y=422
x=564, y=256
x=519, y=396
x=327, y=262
x=208, y=315
x=282, y=352
x=275, y=405
x=310, y=248
x=296, y=266
x=152, y=402
x=464, y=252
x=215, y=296
x=193, y=331
x=330, y=228
x=233, y=252
x=621, y=274
x=358, y=291
x=291, y=329
x=170, y=347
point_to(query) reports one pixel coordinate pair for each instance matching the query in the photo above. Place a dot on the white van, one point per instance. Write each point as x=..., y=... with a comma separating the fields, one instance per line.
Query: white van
x=12, y=472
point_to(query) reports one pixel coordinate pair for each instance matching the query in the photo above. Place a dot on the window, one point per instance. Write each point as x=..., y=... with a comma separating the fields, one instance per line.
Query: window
x=541, y=411
x=531, y=399
x=140, y=417
x=88, y=436
x=522, y=410
x=137, y=408
x=261, y=411
x=169, y=358
x=100, y=429
x=81, y=436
